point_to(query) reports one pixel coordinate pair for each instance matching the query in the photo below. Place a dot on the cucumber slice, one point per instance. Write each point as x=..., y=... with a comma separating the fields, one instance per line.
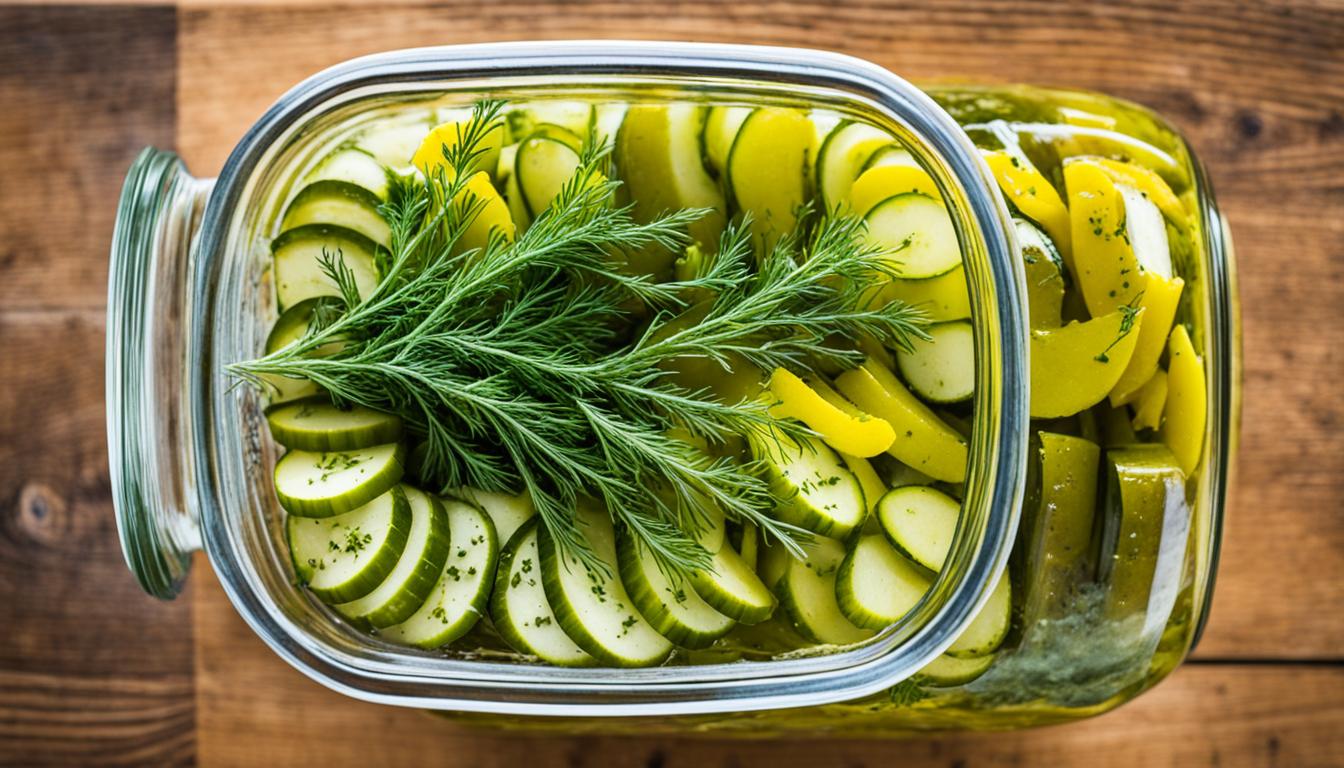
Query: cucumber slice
x=1045, y=272
x=766, y=170
x=949, y=671
x=322, y=484
x=406, y=587
x=917, y=231
x=520, y=611
x=346, y=557
x=513, y=195
x=814, y=488
x=942, y=298
x=298, y=266
x=338, y=203
x=807, y=593
x=292, y=324
x=658, y=155
x=394, y=143
x=876, y=586
x=891, y=154
x=463, y=581
x=507, y=512
x=1058, y=537
x=869, y=482
x=733, y=588
x=352, y=166
x=987, y=630
x=669, y=604
x=774, y=562
x=941, y=368
x=920, y=522
x=578, y=117
x=750, y=546
x=609, y=118
x=592, y=607
x=842, y=156
x=716, y=138
x=315, y=424
x=542, y=168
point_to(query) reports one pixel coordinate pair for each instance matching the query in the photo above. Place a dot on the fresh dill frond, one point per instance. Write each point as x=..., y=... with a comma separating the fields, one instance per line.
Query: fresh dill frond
x=515, y=366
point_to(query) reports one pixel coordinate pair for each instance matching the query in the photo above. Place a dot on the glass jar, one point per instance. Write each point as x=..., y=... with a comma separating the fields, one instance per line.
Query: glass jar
x=191, y=455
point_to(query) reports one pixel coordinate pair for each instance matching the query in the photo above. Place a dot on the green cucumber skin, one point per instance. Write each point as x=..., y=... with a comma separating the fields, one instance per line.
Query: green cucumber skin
x=455, y=629
x=378, y=567
x=892, y=531
x=329, y=441
x=367, y=491
x=422, y=580
x=551, y=563
x=728, y=603
x=951, y=671
x=504, y=621
x=797, y=616
x=652, y=607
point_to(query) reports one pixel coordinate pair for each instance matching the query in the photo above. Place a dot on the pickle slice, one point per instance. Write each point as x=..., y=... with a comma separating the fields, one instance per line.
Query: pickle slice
x=1059, y=554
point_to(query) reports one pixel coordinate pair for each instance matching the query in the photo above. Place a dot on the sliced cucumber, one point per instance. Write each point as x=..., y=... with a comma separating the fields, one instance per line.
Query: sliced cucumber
x=773, y=563
x=578, y=117
x=593, y=607
x=520, y=611
x=338, y=203
x=658, y=155
x=1045, y=272
x=461, y=583
x=917, y=232
x=322, y=484
x=987, y=630
x=352, y=166
x=941, y=368
x=1057, y=538
x=876, y=586
x=346, y=557
x=393, y=143
x=942, y=298
x=766, y=170
x=814, y=488
x=291, y=326
x=807, y=593
x=508, y=512
x=716, y=138
x=314, y=424
x=949, y=671
x=408, y=585
x=733, y=588
x=869, y=481
x=750, y=546
x=920, y=522
x=669, y=604
x=542, y=168
x=842, y=156
x=298, y=262
x=891, y=154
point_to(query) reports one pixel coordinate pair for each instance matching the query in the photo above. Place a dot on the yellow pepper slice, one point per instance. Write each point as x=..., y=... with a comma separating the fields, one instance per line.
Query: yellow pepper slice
x=1187, y=401
x=923, y=441
x=1160, y=298
x=429, y=157
x=1103, y=260
x=492, y=213
x=847, y=430
x=1034, y=196
x=1074, y=367
x=1147, y=181
x=1149, y=402
x=877, y=184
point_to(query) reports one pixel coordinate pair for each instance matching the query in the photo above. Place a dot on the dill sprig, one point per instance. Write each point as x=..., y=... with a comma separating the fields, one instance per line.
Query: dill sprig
x=513, y=364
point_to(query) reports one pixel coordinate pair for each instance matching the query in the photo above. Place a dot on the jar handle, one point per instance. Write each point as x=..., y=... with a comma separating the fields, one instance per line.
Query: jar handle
x=147, y=421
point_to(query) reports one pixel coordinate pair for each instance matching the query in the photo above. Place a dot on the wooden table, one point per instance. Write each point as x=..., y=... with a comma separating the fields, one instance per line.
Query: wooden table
x=92, y=671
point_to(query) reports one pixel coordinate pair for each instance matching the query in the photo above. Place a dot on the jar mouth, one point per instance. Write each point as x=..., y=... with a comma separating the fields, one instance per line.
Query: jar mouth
x=232, y=435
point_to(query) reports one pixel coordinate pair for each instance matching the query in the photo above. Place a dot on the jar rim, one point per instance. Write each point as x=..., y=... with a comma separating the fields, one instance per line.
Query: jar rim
x=996, y=473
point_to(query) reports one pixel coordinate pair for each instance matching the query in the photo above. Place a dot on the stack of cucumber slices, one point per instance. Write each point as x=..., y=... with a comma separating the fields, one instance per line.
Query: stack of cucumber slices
x=876, y=483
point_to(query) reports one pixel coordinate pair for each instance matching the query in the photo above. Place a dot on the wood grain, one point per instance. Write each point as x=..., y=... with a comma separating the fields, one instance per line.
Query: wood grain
x=1265, y=112
x=1205, y=715
x=92, y=671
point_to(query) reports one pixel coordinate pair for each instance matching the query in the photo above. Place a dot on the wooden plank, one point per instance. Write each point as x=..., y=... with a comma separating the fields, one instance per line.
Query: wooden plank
x=1264, y=112
x=92, y=671
x=1205, y=715
x=83, y=89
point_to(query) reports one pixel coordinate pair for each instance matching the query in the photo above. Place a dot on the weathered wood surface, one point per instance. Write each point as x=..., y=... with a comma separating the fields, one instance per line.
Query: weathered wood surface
x=93, y=672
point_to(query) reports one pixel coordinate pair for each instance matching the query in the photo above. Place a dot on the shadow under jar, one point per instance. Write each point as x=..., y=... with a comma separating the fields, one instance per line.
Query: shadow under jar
x=1093, y=302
